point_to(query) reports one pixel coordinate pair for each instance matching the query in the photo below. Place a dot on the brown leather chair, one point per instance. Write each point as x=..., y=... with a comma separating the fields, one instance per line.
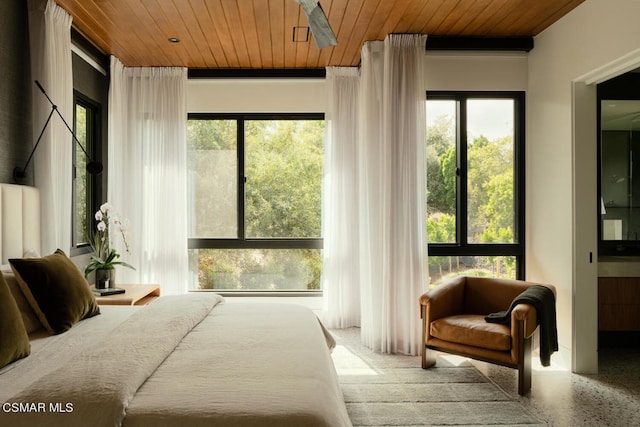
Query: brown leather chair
x=453, y=322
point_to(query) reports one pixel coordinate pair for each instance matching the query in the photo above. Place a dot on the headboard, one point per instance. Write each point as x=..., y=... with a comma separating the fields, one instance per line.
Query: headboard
x=19, y=221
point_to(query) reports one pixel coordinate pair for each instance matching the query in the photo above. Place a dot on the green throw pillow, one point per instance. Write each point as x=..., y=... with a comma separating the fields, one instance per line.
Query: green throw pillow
x=14, y=341
x=56, y=290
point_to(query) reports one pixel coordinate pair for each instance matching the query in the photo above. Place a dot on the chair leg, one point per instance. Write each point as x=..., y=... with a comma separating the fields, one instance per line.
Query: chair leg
x=524, y=368
x=428, y=357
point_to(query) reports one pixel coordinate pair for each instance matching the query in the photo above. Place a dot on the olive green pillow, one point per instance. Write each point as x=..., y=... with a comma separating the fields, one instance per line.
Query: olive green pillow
x=29, y=317
x=14, y=341
x=56, y=290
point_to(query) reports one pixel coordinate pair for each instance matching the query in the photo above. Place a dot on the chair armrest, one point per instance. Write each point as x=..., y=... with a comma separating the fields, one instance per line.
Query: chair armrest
x=526, y=313
x=444, y=300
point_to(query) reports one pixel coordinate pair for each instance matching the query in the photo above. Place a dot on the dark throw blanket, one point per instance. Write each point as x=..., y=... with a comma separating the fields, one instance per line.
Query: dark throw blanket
x=544, y=301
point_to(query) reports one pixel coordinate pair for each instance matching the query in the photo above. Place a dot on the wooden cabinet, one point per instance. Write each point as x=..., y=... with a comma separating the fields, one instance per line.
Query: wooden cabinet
x=619, y=303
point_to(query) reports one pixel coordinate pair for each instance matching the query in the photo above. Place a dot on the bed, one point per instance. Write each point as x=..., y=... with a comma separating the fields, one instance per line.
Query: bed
x=189, y=359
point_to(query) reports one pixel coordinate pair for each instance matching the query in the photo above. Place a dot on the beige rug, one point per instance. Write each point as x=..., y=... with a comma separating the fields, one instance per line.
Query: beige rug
x=393, y=390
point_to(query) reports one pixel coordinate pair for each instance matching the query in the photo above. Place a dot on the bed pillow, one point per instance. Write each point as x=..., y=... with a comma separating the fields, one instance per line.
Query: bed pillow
x=56, y=290
x=29, y=317
x=14, y=341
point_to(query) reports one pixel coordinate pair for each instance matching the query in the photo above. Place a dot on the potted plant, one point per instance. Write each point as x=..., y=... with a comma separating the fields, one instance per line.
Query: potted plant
x=104, y=257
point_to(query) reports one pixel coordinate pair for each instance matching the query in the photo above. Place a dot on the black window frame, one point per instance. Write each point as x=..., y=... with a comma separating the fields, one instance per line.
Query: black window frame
x=462, y=247
x=242, y=241
x=93, y=148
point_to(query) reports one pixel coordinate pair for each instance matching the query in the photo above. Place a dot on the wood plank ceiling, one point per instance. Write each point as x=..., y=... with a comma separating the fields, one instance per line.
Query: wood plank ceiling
x=258, y=34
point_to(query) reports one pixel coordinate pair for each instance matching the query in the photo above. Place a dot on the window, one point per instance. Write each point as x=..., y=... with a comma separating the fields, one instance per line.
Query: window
x=85, y=192
x=254, y=191
x=475, y=184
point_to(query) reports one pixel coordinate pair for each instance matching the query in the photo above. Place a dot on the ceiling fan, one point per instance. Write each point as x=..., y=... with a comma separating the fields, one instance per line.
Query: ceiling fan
x=318, y=23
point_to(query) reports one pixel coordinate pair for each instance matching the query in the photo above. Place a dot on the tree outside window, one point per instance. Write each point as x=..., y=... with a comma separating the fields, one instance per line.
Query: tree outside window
x=255, y=201
x=474, y=184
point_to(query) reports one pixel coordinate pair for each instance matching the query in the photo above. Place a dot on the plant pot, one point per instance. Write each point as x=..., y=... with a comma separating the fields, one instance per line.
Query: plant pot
x=105, y=278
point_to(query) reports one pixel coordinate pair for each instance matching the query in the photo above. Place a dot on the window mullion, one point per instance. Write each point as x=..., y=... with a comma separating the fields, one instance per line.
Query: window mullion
x=242, y=179
x=519, y=178
x=462, y=202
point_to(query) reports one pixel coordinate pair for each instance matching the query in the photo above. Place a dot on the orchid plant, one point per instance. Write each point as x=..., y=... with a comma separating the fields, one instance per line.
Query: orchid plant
x=104, y=255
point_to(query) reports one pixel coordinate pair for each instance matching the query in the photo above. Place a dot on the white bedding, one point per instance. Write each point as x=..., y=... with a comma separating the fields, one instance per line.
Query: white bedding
x=49, y=352
x=270, y=366
x=244, y=364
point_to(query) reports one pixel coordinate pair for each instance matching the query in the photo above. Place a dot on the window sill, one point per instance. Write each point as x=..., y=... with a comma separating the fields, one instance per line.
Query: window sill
x=315, y=303
x=261, y=294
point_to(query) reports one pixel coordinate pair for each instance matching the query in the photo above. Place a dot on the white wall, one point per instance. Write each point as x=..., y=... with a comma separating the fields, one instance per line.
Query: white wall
x=597, y=39
x=269, y=95
x=444, y=71
x=473, y=71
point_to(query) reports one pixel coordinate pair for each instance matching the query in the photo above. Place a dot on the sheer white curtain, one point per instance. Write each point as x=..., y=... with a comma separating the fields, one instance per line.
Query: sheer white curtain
x=50, y=45
x=341, y=284
x=388, y=205
x=393, y=183
x=147, y=171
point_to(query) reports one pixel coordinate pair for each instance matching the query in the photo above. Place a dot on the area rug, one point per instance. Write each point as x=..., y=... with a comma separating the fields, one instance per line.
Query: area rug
x=393, y=390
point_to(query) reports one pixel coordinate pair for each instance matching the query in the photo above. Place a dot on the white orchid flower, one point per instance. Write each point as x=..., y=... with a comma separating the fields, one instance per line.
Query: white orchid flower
x=108, y=227
x=105, y=208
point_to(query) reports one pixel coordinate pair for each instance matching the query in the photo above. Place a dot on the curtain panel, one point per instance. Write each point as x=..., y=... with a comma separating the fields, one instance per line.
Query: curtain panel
x=341, y=284
x=50, y=45
x=147, y=172
x=387, y=206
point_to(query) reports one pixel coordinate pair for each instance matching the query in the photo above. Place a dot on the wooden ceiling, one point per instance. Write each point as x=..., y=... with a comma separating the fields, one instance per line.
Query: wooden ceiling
x=257, y=34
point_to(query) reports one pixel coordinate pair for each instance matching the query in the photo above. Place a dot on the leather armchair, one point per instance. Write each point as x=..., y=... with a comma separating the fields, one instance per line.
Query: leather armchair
x=453, y=322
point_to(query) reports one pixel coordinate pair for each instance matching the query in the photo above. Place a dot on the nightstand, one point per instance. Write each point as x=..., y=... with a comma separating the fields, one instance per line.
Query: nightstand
x=133, y=295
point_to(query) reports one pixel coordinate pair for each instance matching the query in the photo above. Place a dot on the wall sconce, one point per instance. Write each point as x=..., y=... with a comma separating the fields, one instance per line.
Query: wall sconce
x=93, y=167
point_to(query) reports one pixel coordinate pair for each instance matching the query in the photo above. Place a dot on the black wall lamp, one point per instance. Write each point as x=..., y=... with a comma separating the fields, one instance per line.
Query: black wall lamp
x=93, y=167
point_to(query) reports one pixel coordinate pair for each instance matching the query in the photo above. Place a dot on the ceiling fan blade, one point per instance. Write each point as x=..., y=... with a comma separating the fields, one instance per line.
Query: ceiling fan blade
x=318, y=23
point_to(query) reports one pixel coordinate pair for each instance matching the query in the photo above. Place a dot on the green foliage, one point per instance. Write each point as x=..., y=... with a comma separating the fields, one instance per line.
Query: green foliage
x=213, y=173
x=490, y=190
x=490, y=202
x=212, y=135
x=283, y=170
x=108, y=263
x=81, y=178
x=441, y=228
x=103, y=257
x=448, y=167
x=284, y=178
x=441, y=166
x=263, y=269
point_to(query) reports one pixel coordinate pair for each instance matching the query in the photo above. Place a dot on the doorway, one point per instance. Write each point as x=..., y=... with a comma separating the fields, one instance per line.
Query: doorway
x=619, y=214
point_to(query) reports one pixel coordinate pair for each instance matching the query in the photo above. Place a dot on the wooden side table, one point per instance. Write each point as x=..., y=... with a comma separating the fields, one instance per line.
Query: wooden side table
x=133, y=295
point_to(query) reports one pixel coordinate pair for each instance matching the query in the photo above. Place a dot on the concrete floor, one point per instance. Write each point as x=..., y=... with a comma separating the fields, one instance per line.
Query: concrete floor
x=562, y=398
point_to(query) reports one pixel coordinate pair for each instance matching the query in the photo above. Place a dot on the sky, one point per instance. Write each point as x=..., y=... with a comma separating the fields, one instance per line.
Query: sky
x=492, y=118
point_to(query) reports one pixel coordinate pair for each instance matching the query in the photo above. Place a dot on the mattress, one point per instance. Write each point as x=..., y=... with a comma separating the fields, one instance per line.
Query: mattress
x=238, y=364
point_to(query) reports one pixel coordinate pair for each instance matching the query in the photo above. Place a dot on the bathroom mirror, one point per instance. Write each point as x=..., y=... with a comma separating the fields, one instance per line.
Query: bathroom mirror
x=619, y=175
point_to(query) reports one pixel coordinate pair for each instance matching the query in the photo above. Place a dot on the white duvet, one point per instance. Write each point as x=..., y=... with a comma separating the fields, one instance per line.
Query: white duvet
x=189, y=360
